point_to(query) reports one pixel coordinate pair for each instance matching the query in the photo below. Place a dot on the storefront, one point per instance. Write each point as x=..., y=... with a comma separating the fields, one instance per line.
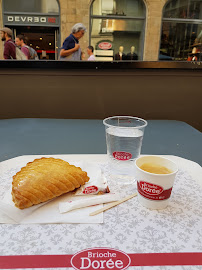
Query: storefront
x=38, y=21
x=119, y=27
x=181, y=37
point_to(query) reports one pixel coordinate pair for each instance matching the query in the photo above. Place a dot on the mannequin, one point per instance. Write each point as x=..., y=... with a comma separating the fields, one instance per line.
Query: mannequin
x=132, y=55
x=132, y=49
x=120, y=55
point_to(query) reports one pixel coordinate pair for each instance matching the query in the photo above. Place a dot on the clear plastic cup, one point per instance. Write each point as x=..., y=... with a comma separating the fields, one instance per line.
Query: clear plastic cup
x=124, y=135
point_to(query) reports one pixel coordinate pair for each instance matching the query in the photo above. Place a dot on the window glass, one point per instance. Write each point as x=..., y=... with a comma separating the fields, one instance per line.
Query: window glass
x=125, y=33
x=34, y=6
x=184, y=9
x=130, y=8
x=181, y=39
x=178, y=41
x=115, y=24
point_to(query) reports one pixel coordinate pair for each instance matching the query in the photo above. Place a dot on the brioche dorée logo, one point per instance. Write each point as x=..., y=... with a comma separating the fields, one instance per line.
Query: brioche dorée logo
x=122, y=155
x=91, y=189
x=150, y=189
x=105, y=46
x=100, y=258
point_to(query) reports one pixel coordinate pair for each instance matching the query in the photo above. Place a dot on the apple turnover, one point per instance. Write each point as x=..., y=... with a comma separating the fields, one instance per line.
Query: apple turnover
x=44, y=179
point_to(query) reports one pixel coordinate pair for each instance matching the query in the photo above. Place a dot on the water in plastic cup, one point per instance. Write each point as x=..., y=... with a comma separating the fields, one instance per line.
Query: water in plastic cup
x=124, y=136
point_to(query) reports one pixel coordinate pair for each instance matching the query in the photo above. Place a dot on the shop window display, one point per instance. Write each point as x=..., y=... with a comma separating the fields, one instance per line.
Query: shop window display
x=181, y=37
x=122, y=24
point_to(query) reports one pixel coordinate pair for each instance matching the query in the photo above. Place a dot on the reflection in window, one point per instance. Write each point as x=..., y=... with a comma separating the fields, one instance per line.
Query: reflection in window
x=181, y=39
x=34, y=6
x=119, y=23
x=184, y=9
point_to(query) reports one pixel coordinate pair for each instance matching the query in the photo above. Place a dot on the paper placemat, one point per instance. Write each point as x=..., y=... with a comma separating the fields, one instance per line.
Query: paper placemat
x=128, y=227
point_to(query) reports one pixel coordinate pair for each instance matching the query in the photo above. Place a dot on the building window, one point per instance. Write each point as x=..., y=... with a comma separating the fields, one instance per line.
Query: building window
x=181, y=36
x=32, y=6
x=117, y=25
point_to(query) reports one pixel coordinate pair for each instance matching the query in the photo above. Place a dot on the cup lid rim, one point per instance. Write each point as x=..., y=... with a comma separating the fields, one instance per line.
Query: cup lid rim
x=125, y=116
x=157, y=174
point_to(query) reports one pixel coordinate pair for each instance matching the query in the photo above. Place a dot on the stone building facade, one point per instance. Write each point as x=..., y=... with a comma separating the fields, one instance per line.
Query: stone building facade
x=73, y=11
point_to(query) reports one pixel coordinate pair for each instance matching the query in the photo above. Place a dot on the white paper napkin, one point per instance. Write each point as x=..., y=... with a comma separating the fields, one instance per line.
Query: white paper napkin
x=48, y=212
x=86, y=201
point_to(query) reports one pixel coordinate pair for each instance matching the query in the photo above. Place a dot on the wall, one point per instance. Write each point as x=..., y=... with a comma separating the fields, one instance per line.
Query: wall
x=78, y=11
x=74, y=11
x=96, y=94
x=153, y=29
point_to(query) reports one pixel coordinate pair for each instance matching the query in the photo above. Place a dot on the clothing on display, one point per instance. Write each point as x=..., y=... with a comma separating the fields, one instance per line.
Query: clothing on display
x=132, y=55
x=120, y=55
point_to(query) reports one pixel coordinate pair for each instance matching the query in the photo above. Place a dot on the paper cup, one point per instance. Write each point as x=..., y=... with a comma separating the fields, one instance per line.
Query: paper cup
x=154, y=190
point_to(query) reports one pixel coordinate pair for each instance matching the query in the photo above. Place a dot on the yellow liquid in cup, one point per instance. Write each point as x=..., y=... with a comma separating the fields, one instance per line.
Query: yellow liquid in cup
x=153, y=168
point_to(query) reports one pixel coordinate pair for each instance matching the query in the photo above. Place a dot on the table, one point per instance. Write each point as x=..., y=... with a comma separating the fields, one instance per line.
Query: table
x=78, y=139
x=84, y=136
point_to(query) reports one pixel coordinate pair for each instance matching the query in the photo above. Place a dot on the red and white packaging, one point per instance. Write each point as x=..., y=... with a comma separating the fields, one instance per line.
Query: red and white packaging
x=154, y=190
x=97, y=183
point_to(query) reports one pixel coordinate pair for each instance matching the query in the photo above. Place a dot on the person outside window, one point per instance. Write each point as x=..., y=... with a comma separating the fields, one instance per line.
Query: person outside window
x=20, y=42
x=71, y=50
x=90, y=51
x=83, y=55
x=9, y=45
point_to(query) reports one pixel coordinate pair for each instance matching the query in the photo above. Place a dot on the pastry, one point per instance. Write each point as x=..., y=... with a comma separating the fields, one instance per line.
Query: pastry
x=44, y=179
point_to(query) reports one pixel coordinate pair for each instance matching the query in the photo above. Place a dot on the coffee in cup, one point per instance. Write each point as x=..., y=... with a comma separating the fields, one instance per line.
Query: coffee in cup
x=155, y=168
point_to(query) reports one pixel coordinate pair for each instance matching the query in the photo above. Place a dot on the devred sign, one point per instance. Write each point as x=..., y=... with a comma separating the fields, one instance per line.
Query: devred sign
x=16, y=19
x=101, y=258
x=52, y=20
x=105, y=45
x=122, y=155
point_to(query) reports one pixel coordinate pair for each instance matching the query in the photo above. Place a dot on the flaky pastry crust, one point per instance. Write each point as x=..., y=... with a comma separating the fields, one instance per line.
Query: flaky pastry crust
x=44, y=179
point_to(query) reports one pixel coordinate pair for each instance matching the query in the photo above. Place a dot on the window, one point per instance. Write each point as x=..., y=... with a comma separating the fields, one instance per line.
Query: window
x=181, y=36
x=32, y=6
x=118, y=23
